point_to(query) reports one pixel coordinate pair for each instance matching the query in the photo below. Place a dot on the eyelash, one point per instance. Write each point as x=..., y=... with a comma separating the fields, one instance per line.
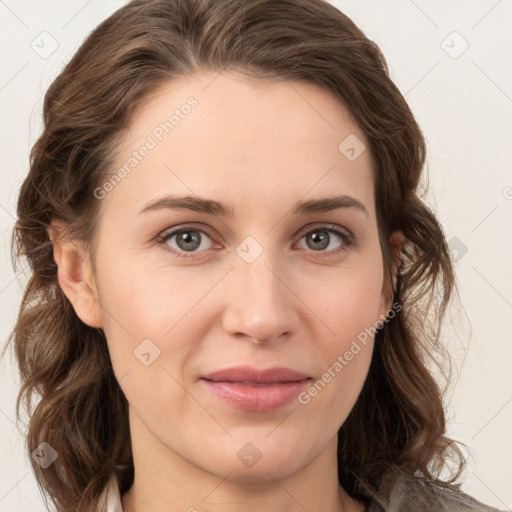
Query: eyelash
x=346, y=237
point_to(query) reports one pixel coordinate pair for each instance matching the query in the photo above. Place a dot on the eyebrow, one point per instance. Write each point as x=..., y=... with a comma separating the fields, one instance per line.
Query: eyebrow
x=209, y=206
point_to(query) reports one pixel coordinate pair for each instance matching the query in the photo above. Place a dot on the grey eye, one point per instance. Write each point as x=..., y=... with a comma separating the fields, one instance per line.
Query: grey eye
x=187, y=240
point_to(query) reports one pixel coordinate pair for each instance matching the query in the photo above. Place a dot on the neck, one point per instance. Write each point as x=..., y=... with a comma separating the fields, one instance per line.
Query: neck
x=166, y=481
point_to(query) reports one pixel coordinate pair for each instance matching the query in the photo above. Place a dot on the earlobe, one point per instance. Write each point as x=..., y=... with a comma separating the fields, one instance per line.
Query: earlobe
x=75, y=275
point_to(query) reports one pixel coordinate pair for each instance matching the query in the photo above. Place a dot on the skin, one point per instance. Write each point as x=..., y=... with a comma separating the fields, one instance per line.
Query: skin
x=260, y=147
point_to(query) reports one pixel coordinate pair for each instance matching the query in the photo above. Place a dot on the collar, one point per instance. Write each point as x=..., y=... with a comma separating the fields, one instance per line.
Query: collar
x=111, y=499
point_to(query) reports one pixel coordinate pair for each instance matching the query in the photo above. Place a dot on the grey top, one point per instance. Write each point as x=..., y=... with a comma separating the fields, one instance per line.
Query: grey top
x=400, y=492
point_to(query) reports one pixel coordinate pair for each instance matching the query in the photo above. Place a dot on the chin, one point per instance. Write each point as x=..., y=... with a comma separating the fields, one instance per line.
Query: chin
x=249, y=459
x=263, y=471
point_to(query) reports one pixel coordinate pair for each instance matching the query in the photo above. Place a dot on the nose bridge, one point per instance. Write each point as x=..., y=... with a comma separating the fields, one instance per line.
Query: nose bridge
x=259, y=302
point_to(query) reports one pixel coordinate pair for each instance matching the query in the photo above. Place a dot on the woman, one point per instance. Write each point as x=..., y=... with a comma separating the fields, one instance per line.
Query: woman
x=233, y=273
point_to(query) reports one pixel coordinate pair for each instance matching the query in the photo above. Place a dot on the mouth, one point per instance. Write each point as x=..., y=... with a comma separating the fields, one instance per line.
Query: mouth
x=256, y=390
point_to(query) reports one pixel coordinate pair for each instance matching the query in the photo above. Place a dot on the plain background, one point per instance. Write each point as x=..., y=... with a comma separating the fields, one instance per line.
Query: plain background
x=462, y=99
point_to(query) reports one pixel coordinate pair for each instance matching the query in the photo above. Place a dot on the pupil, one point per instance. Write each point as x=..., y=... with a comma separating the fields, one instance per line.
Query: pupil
x=190, y=242
x=322, y=239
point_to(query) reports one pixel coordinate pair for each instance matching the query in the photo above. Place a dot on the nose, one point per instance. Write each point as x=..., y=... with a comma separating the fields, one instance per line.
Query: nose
x=260, y=303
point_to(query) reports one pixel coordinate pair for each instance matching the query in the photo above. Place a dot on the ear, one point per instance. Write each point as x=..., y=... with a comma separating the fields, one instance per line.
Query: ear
x=75, y=274
x=397, y=241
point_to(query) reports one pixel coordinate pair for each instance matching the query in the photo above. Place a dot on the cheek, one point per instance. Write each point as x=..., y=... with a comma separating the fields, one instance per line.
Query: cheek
x=138, y=309
x=351, y=309
x=348, y=300
x=345, y=360
x=150, y=335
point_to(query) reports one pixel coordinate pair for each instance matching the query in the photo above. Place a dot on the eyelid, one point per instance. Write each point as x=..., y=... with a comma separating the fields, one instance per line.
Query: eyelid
x=327, y=226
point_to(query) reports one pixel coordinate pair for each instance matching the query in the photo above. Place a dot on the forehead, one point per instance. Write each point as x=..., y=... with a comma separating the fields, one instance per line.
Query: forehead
x=230, y=136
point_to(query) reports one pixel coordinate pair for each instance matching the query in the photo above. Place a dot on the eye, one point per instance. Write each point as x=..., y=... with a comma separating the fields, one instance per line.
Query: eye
x=191, y=240
x=321, y=237
x=185, y=240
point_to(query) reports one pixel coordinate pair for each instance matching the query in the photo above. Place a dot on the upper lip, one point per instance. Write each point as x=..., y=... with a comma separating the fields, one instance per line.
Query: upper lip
x=249, y=374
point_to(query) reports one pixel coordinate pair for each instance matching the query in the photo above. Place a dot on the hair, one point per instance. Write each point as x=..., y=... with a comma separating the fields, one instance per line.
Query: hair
x=398, y=420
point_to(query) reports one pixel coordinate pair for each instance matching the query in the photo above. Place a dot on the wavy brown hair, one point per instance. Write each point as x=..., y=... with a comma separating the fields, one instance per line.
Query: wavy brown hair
x=69, y=390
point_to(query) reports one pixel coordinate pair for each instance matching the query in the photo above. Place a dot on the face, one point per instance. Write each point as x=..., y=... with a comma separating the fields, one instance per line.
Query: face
x=239, y=321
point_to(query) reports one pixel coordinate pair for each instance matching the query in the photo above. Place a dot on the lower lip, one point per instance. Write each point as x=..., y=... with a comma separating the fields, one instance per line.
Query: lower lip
x=256, y=398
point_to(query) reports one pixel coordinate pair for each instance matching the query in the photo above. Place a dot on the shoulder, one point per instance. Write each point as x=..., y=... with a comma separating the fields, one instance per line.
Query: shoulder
x=406, y=493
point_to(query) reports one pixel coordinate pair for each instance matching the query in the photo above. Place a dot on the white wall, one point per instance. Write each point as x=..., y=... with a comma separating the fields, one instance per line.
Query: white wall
x=464, y=106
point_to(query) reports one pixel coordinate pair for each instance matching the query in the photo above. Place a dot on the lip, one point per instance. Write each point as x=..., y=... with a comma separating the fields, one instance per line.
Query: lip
x=251, y=389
